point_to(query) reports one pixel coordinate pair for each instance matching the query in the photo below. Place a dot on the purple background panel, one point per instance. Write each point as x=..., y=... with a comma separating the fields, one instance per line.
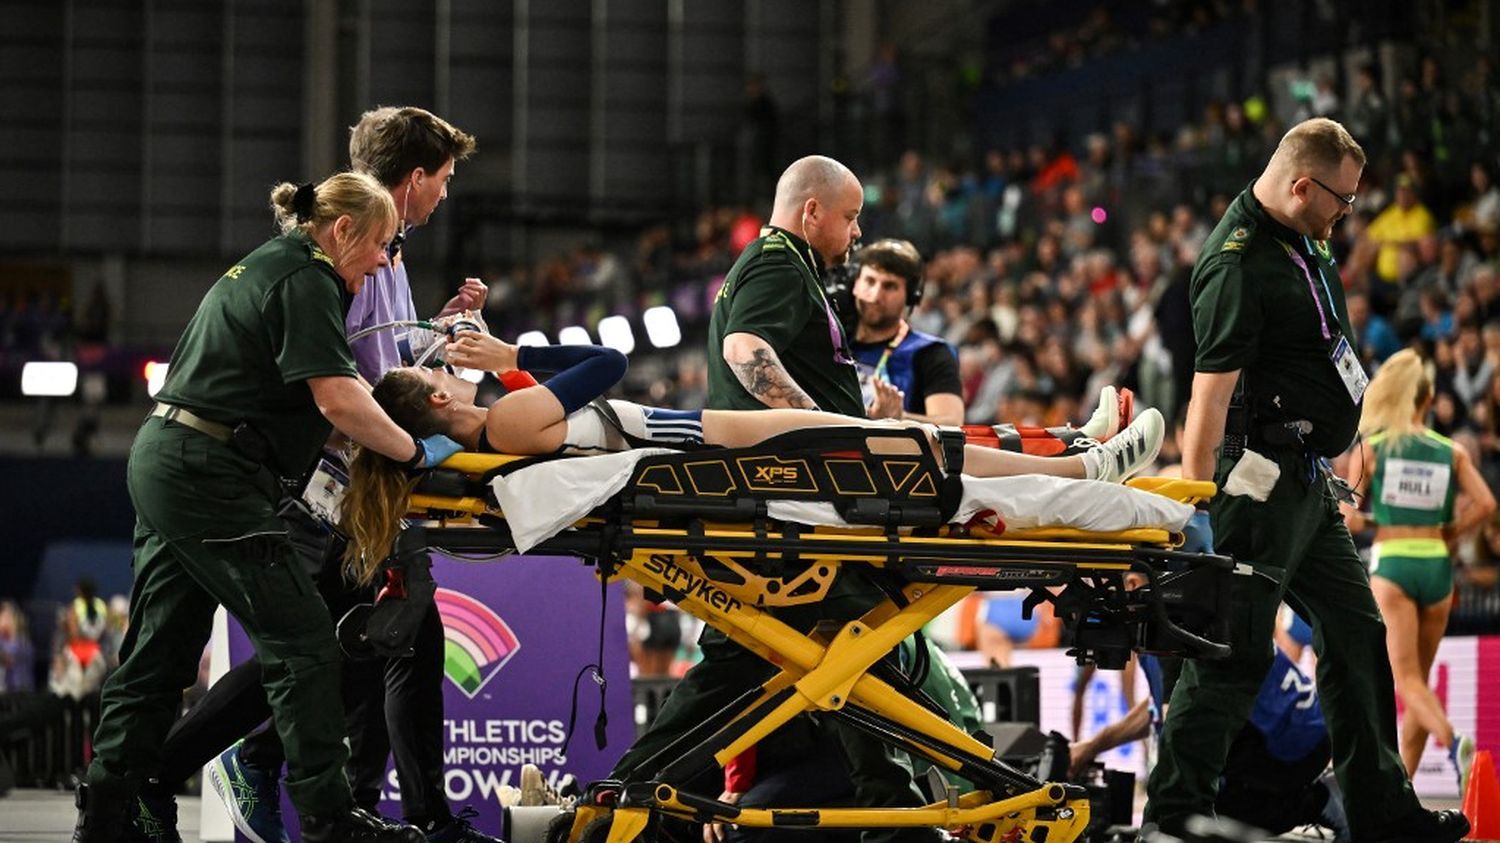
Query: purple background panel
x=522, y=629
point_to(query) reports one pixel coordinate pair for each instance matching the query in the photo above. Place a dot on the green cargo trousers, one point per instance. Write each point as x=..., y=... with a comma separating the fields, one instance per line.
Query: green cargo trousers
x=1298, y=537
x=207, y=534
x=880, y=773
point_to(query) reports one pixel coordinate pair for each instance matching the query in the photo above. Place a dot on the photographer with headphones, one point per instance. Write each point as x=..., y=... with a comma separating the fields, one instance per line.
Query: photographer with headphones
x=904, y=373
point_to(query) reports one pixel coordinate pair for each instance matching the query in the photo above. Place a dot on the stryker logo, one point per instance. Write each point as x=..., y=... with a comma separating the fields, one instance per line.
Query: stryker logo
x=776, y=473
x=691, y=584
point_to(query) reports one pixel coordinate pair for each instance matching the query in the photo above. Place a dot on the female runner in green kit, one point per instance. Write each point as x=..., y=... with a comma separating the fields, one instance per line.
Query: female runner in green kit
x=1424, y=492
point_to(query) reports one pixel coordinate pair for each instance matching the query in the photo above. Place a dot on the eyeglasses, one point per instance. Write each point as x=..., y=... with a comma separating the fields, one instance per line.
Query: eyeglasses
x=1347, y=199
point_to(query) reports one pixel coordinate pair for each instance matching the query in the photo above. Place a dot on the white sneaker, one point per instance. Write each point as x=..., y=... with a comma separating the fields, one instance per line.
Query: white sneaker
x=1461, y=753
x=1113, y=411
x=534, y=787
x=1131, y=450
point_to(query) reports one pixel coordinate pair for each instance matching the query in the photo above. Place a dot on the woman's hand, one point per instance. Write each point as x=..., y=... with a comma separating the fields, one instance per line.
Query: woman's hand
x=473, y=350
x=470, y=296
x=714, y=832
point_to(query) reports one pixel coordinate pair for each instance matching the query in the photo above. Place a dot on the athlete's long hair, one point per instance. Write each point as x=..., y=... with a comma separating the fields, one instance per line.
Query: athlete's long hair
x=378, y=486
x=1399, y=389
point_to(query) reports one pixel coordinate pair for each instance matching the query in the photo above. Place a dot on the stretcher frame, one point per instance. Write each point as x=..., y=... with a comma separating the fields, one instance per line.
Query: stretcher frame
x=667, y=531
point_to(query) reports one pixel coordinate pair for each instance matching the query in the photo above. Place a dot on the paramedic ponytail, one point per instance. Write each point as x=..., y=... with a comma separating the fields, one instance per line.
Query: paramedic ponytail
x=379, y=486
x=309, y=207
x=1400, y=388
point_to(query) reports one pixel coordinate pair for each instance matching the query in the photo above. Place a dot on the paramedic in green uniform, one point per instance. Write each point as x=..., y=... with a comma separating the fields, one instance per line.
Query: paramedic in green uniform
x=1413, y=476
x=1269, y=315
x=256, y=384
x=773, y=338
x=774, y=341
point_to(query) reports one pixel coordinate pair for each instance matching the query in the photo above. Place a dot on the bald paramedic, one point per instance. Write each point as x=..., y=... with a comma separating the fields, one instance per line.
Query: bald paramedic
x=774, y=341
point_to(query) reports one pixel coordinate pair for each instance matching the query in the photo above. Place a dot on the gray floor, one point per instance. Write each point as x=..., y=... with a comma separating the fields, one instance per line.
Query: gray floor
x=46, y=816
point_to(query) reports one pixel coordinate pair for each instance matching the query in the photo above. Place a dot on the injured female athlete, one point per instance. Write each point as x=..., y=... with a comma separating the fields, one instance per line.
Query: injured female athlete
x=557, y=417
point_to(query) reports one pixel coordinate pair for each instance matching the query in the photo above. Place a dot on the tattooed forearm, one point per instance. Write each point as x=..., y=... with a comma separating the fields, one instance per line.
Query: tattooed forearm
x=763, y=377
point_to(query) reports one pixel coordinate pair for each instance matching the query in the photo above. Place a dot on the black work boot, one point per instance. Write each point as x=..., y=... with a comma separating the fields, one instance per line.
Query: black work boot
x=357, y=826
x=153, y=819
x=101, y=816
x=1425, y=826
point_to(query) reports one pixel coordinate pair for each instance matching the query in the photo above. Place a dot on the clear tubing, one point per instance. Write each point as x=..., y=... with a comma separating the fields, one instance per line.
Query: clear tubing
x=404, y=323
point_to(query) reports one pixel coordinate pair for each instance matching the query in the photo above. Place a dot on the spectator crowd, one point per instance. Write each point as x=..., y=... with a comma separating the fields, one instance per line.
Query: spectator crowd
x=1056, y=269
x=1059, y=267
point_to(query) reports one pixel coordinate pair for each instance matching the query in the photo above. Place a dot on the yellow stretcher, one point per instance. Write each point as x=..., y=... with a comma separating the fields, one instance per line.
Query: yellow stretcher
x=692, y=527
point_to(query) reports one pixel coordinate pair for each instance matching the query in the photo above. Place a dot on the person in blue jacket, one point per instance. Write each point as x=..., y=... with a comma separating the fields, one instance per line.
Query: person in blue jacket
x=1275, y=777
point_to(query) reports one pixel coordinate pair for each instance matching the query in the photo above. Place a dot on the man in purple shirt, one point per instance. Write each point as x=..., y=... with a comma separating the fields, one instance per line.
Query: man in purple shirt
x=412, y=152
x=392, y=706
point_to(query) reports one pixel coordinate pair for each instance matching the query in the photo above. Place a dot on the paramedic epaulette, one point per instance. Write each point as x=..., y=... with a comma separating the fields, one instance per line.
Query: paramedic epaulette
x=1239, y=239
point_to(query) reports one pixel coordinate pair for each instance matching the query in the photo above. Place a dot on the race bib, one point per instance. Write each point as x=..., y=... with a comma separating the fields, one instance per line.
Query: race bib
x=1414, y=484
x=1350, y=370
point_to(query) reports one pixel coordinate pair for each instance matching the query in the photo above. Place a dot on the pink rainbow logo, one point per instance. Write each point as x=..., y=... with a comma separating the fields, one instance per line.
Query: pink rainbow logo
x=477, y=642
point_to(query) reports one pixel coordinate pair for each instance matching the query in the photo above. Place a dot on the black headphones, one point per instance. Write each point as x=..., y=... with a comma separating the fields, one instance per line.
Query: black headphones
x=914, y=290
x=914, y=287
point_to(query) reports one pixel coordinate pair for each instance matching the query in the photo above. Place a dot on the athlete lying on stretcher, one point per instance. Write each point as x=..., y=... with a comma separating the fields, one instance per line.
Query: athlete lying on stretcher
x=556, y=418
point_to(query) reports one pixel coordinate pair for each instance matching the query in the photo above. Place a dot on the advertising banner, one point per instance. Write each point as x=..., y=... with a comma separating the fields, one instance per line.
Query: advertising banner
x=517, y=634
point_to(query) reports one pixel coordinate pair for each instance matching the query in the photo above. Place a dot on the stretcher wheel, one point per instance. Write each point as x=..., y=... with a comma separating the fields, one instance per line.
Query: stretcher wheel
x=558, y=828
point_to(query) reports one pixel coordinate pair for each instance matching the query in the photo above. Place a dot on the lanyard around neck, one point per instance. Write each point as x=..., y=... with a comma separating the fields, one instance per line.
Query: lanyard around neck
x=885, y=356
x=835, y=332
x=1301, y=263
x=806, y=260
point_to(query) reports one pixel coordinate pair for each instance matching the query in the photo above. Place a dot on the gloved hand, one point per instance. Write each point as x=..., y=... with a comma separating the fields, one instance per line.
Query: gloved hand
x=1198, y=535
x=437, y=448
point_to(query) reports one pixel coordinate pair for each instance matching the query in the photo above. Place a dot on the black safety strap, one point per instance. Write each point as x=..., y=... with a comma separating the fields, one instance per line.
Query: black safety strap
x=952, y=441
x=595, y=671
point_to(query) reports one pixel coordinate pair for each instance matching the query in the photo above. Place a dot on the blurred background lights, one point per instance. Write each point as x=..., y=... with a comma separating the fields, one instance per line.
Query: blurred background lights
x=156, y=375
x=573, y=335
x=49, y=378
x=614, y=331
x=661, y=327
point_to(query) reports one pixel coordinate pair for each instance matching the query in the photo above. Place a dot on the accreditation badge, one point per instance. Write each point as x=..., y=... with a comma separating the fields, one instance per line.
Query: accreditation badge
x=325, y=490
x=1349, y=368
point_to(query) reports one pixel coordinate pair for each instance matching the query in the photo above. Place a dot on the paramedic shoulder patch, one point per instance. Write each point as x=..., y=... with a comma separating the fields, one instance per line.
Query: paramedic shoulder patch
x=1237, y=240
